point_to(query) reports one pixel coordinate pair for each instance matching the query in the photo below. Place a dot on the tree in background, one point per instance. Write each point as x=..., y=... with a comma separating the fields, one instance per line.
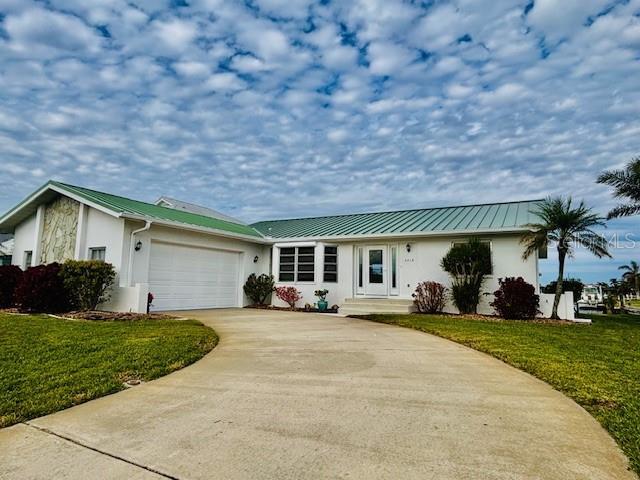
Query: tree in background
x=632, y=274
x=626, y=185
x=566, y=225
x=574, y=285
x=618, y=289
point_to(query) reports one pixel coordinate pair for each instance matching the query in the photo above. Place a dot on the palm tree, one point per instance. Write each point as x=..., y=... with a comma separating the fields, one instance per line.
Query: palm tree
x=632, y=274
x=561, y=222
x=626, y=184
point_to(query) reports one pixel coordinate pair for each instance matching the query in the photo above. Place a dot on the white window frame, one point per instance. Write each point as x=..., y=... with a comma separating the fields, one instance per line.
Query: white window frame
x=28, y=254
x=98, y=249
x=324, y=263
x=295, y=271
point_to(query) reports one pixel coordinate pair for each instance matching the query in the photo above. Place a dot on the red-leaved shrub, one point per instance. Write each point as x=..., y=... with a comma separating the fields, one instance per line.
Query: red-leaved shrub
x=9, y=277
x=516, y=299
x=430, y=297
x=289, y=295
x=41, y=289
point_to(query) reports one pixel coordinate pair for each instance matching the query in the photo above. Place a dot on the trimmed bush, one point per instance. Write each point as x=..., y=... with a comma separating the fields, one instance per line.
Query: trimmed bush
x=10, y=276
x=258, y=288
x=516, y=299
x=88, y=282
x=430, y=297
x=41, y=289
x=467, y=263
x=289, y=295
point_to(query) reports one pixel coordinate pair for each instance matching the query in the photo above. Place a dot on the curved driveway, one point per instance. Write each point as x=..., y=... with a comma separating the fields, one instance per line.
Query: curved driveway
x=296, y=396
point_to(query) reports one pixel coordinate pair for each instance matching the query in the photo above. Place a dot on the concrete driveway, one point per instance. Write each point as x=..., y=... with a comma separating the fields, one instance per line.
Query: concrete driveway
x=295, y=396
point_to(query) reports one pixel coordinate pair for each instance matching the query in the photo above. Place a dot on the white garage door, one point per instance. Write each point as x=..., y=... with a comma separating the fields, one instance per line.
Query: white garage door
x=183, y=278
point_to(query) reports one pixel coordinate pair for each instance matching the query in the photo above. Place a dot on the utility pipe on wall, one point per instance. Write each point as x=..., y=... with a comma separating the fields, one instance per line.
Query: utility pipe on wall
x=146, y=227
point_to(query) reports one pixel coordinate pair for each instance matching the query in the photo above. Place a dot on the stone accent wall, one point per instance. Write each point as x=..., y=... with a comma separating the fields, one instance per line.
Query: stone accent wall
x=59, y=230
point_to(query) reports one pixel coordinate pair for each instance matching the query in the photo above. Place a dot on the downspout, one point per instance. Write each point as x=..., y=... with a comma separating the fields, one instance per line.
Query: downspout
x=146, y=227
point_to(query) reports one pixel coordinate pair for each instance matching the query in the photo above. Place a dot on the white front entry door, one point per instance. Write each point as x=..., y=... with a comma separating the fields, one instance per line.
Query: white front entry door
x=375, y=274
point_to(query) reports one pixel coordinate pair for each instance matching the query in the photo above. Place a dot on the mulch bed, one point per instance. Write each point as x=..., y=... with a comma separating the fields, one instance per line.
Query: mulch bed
x=287, y=309
x=494, y=318
x=116, y=316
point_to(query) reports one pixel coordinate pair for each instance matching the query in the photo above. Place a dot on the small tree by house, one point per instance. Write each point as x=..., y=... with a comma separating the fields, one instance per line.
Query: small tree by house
x=566, y=225
x=88, y=282
x=430, y=297
x=516, y=299
x=258, y=288
x=467, y=264
x=289, y=295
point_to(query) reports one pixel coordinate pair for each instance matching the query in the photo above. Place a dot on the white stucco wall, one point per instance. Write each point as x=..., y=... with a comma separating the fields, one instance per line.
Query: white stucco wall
x=103, y=230
x=25, y=238
x=422, y=263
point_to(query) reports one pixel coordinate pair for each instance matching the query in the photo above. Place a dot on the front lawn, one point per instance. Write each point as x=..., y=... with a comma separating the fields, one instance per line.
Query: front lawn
x=597, y=365
x=48, y=364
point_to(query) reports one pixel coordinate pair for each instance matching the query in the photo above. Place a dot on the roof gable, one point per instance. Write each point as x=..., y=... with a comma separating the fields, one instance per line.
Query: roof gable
x=486, y=218
x=122, y=207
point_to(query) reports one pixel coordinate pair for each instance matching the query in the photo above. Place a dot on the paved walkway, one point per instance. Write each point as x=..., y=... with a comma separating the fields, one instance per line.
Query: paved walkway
x=298, y=396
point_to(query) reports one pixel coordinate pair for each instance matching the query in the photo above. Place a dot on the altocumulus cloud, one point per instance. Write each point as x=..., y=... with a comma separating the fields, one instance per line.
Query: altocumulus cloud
x=271, y=108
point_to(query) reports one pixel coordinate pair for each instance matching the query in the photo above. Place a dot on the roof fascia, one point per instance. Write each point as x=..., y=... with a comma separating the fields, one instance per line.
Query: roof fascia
x=449, y=233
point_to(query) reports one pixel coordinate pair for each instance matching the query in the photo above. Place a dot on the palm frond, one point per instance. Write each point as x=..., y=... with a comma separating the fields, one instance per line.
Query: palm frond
x=624, y=211
x=593, y=242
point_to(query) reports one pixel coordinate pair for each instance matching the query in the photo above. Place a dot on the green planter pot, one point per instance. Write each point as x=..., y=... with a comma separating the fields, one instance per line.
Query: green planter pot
x=322, y=305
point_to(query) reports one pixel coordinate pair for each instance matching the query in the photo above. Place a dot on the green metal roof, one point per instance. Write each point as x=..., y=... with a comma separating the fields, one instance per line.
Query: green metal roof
x=464, y=219
x=127, y=206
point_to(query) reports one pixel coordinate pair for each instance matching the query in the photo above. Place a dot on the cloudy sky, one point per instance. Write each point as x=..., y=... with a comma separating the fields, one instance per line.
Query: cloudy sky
x=279, y=108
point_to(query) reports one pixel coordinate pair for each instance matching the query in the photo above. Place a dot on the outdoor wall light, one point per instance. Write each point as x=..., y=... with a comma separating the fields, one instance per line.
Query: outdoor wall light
x=255, y=259
x=408, y=247
x=138, y=246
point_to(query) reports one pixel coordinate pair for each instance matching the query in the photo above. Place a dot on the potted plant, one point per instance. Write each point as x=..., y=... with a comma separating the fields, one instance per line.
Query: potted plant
x=322, y=302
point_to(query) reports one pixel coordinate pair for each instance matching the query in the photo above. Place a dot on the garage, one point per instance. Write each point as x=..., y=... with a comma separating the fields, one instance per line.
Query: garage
x=185, y=277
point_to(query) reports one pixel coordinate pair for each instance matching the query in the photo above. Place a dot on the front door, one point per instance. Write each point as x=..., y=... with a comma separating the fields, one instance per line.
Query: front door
x=376, y=270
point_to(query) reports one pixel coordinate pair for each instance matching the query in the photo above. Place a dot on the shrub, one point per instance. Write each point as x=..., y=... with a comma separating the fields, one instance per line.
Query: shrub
x=10, y=276
x=467, y=263
x=289, y=295
x=516, y=299
x=258, y=288
x=41, y=289
x=88, y=282
x=430, y=297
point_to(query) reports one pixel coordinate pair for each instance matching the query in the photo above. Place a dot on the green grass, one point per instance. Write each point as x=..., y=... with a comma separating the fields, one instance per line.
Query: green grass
x=48, y=364
x=597, y=365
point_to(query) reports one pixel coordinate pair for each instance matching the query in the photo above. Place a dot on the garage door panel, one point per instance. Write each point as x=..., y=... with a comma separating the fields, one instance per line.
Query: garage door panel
x=182, y=277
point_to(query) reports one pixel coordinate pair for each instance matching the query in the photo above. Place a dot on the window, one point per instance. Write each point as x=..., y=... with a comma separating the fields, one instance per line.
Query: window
x=376, y=272
x=97, y=253
x=330, y=264
x=297, y=263
x=360, y=263
x=394, y=267
x=28, y=257
x=488, y=242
